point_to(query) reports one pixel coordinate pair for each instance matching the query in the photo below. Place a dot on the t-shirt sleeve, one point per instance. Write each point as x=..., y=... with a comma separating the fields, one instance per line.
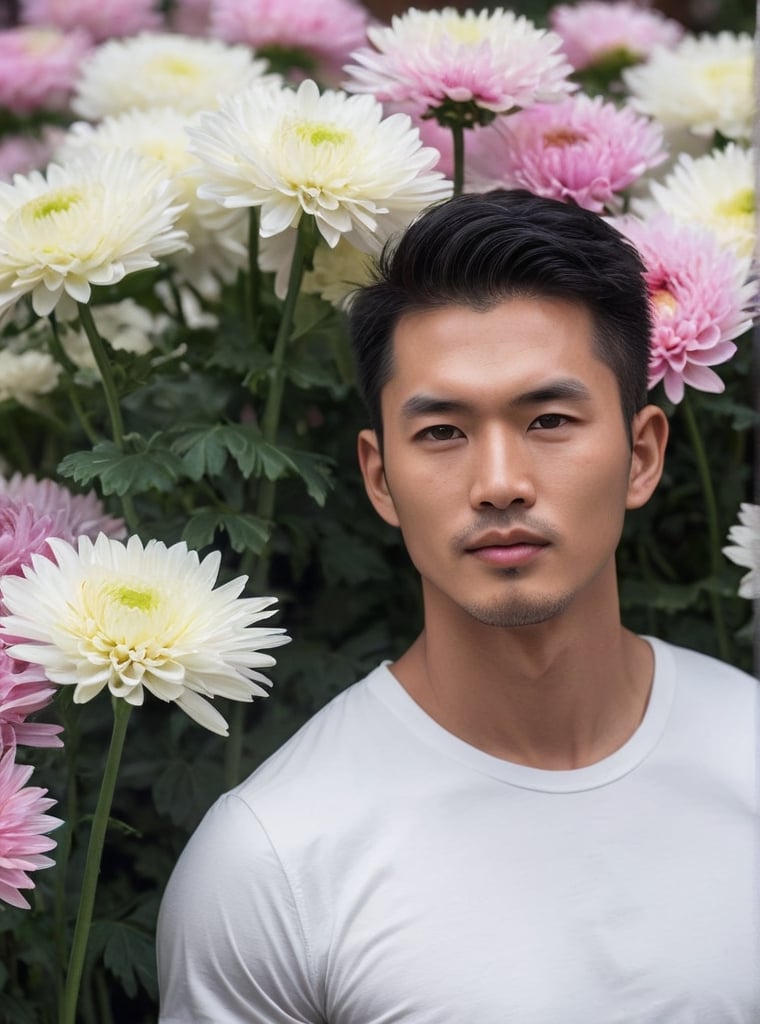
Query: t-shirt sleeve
x=231, y=946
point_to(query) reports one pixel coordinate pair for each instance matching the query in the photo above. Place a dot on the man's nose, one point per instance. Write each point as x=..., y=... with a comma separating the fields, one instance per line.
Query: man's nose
x=501, y=472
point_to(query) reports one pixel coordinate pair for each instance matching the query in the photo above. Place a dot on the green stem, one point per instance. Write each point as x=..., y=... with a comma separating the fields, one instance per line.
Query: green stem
x=69, y=368
x=112, y=399
x=713, y=522
x=265, y=500
x=457, y=132
x=253, y=279
x=92, y=863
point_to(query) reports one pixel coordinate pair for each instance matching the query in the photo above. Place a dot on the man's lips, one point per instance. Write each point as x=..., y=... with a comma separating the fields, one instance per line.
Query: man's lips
x=505, y=550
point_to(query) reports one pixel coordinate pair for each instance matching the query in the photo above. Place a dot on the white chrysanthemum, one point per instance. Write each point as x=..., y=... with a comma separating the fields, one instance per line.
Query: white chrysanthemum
x=338, y=272
x=161, y=69
x=133, y=618
x=716, y=191
x=332, y=156
x=125, y=325
x=26, y=376
x=216, y=237
x=745, y=549
x=90, y=222
x=704, y=84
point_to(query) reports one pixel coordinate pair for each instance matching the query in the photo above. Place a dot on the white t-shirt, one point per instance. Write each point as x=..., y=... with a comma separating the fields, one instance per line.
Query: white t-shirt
x=378, y=870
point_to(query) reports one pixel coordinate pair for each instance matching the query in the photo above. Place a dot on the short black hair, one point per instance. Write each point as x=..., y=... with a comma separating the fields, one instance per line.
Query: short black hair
x=479, y=249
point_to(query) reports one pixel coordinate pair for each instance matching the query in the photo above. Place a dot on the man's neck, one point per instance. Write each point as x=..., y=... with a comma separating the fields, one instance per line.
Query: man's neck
x=559, y=695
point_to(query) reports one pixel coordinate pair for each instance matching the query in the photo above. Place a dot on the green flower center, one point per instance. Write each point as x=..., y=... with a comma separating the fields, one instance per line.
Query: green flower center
x=740, y=205
x=60, y=201
x=144, y=600
x=176, y=67
x=320, y=134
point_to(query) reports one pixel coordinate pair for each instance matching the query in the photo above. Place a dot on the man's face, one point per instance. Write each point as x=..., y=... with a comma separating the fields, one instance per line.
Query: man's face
x=506, y=462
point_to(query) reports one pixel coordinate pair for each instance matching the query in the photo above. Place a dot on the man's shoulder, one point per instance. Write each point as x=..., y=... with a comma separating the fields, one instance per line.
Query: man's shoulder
x=698, y=670
x=339, y=750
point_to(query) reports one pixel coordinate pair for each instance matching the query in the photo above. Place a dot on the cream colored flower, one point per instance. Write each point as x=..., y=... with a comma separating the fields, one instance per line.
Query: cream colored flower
x=161, y=69
x=338, y=272
x=90, y=222
x=744, y=549
x=137, y=618
x=125, y=325
x=216, y=237
x=716, y=191
x=26, y=376
x=331, y=155
x=704, y=84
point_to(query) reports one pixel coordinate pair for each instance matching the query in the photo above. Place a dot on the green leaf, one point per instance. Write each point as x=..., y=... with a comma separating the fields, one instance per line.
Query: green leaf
x=123, y=472
x=184, y=790
x=129, y=954
x=315, y=470
x=245, y=531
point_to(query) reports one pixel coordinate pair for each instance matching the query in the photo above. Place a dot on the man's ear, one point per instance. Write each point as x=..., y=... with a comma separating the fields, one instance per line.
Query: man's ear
x=650, y=437
x=373, y=472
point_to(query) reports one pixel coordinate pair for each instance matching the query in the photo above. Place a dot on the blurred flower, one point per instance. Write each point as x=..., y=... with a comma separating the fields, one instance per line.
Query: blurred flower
x=91, y=222
x=314, y=35
x=161, y=69
x=101, y=19
x=38, y=67
x=190, y=17
x=26, y=376
x=125, y=326
x=704, y=84
x=20, y=154
x=478, y=143
x=24, y=689
x=330, y=155
x=23, y=828
x=72, y=514
x=581, y=149
x=701, y=299
x=717, y=191
x=619, y=34
x=136, y=618
x=217, y=237
x=492, y=61
x=338, y=272
x=744, y=549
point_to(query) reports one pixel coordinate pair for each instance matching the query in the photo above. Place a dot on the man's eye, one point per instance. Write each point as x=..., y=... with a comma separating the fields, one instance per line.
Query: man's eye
x=442, y=432
x=549, y=421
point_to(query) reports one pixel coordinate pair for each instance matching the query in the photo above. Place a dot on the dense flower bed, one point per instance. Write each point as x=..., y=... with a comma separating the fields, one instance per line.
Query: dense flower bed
x=187, y=198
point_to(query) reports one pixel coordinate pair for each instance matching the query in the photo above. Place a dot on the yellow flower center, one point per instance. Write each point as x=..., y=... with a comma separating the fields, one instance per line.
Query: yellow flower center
x=175, y=67
x=144, y=600
x=664, y=301
x=742, y=204
x=316, y=134
x=563, y=137
x=730, y=76
x=60, y=201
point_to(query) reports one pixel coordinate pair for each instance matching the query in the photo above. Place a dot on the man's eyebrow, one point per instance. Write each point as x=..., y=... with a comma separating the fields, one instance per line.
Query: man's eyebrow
x=568, y=389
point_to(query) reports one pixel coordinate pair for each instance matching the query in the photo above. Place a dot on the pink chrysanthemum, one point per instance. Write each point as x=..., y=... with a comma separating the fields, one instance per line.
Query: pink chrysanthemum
x=20, y=154
x=581, y=149
x=317, y=35
x=101, y=19
x=72, y=514
x=23, y=828
x=24, y=689
x=625, y=33
x=701, y=299
x=23, y=533
x=191, y=17
x=38, y=67
x=494, y=60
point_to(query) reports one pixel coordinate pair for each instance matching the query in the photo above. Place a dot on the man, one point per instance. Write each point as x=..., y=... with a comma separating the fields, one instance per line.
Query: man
x=533, y=815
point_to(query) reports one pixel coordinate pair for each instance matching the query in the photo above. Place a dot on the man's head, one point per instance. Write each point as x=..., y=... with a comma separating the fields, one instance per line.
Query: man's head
x=477, y=250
